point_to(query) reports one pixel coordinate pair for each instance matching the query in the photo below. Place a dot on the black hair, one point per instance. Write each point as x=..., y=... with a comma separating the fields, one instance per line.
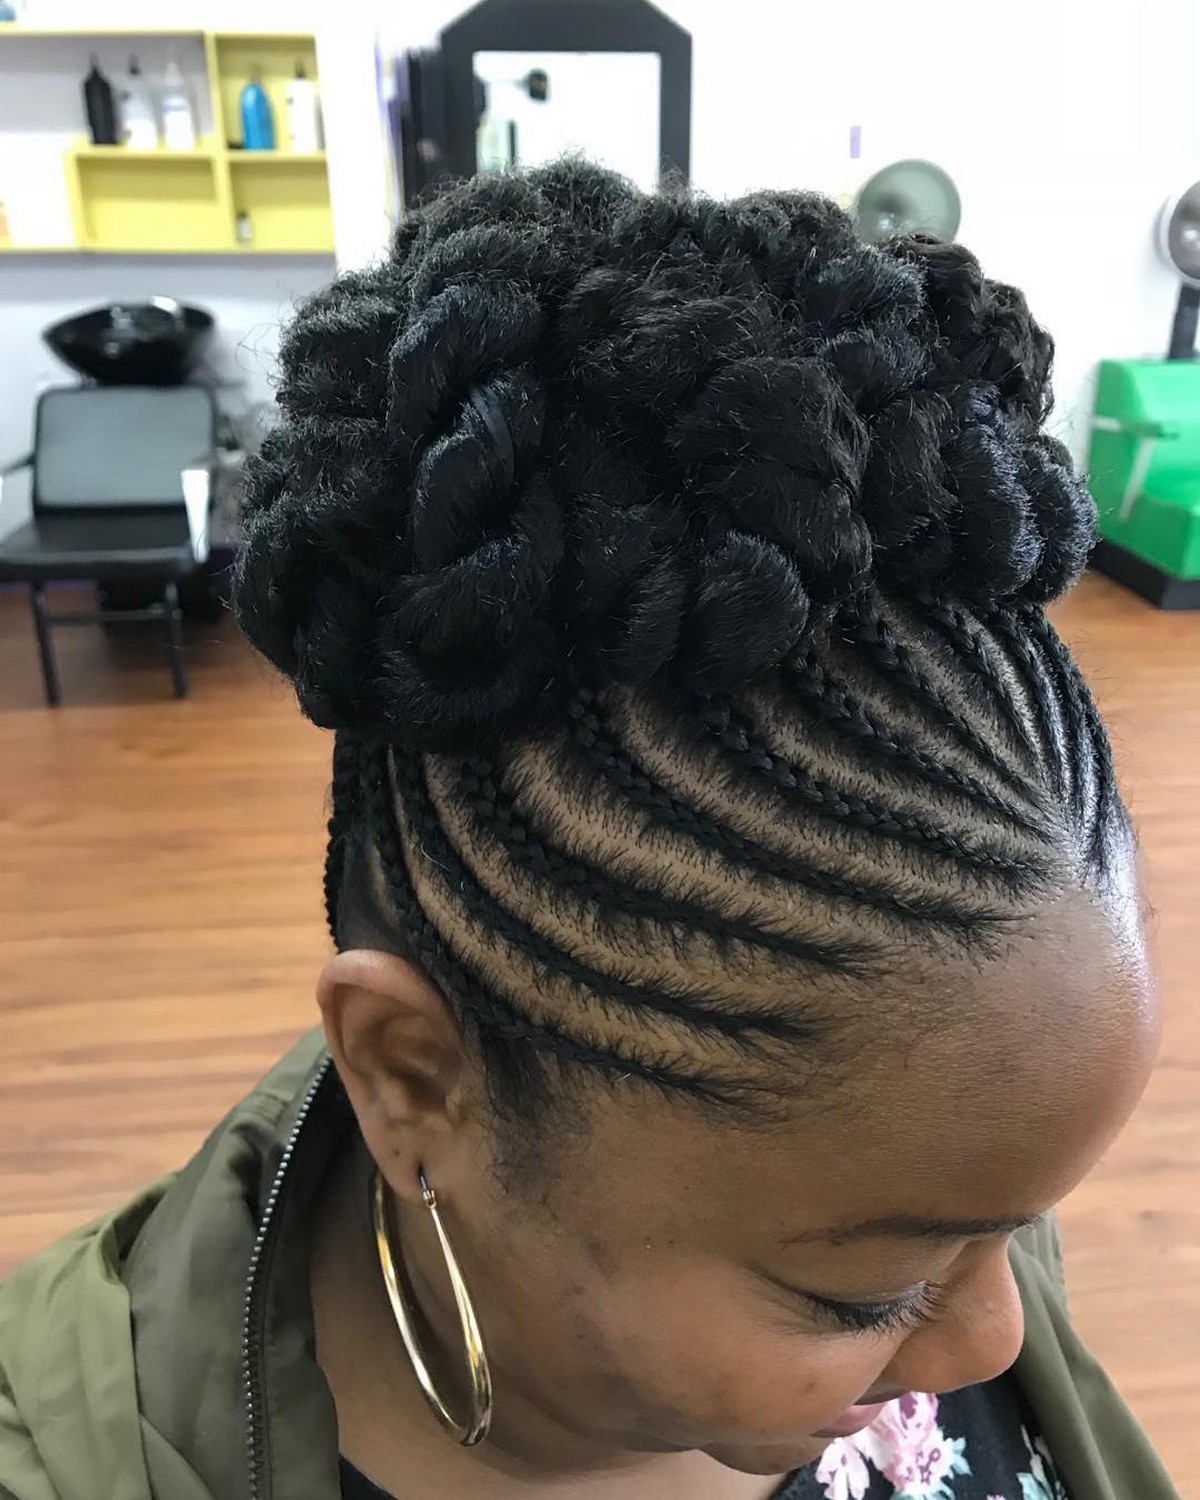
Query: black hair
x=672, y=572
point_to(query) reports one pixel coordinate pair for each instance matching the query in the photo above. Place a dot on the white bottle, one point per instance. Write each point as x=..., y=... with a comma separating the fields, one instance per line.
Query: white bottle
x=139, y=121
x=178, y=122
x=303, y=114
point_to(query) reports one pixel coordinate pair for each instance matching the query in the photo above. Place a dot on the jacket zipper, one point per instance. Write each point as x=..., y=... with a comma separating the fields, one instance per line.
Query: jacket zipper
x=252, y=1305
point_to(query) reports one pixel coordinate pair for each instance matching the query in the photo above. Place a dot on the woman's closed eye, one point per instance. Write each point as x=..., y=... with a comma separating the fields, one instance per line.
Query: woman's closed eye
x=911, y=1310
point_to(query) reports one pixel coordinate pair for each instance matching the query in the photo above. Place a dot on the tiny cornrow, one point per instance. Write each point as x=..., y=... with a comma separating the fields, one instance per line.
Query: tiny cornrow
x=872, y=634
x=1012, y=632
x=341, y=812
x=1090, y=743
x=591, y=885
x=835, y=705
x=607, y=759
x=701, y=1012
x=967, y=640
x=795, y=783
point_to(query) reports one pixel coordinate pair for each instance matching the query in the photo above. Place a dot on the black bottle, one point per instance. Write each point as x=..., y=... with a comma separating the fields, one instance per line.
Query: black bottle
x=100, y=106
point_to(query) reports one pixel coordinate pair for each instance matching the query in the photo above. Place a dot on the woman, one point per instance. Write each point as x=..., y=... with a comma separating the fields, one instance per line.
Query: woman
x=737, y=937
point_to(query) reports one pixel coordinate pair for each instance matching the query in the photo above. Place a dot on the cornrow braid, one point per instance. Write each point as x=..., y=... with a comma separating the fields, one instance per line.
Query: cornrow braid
x=487, y=1011
x=702, y=1012
x=587, y=882
x=835, y=705
x=1071, y=722
x=871, y=633
x=964, y=637
x=1011, y=632
x=606, y=758
x=798, y=784
x=341, y=814
x=1088, y=737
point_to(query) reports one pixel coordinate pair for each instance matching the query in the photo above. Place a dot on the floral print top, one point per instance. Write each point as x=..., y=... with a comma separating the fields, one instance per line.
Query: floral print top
x=975, y=1444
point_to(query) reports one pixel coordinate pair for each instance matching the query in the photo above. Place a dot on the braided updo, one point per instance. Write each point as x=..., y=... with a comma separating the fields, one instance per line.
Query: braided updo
x=671, y=571
x=569, y=431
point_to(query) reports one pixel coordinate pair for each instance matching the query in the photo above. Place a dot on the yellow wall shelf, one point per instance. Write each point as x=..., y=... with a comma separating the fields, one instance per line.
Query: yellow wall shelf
x=215, y=198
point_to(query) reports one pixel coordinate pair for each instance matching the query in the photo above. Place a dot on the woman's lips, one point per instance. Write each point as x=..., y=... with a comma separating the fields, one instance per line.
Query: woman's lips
x=852, y=1420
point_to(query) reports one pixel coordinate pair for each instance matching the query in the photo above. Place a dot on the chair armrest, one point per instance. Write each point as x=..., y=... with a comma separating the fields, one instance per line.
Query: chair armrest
x=1145, y=427
x=14, y=468
x=197, y=479
x=1152, y=429
x=1147, y=431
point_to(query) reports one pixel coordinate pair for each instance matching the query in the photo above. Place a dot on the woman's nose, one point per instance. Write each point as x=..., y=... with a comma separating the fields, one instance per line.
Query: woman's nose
x=978, y=1336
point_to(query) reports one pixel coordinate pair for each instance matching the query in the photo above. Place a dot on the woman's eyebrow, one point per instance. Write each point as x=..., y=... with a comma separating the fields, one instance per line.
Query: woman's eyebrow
x=910, y=1226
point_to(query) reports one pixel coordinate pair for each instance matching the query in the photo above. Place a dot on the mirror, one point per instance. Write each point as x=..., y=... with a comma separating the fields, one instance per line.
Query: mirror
x=519, y=82
x=534, y=106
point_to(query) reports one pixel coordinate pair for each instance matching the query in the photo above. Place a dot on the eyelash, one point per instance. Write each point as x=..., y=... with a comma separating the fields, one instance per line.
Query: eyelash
x=909, y=1312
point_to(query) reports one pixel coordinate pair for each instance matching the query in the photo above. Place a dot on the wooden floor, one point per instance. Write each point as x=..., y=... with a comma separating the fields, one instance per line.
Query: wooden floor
x=160, y=931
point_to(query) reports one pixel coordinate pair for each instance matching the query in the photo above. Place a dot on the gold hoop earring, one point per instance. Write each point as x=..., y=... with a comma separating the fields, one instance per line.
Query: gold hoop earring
x=475, y=1429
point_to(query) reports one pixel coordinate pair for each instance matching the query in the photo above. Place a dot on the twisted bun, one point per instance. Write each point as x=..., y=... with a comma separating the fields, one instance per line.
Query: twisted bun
x=568, y=430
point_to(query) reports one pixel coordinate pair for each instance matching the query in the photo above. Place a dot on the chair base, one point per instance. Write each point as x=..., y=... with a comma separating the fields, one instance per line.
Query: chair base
x=199, y=595
x=1162, y=589
x=166, y=607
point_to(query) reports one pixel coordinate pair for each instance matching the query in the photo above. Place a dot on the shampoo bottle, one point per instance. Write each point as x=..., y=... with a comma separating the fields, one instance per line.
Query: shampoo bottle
x=179, y=124
x=139, y=122
x=258, y=128
x=100, y=106
x=303, y=113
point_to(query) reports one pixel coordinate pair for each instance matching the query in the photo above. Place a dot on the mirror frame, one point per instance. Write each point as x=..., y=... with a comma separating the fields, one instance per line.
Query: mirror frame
x=567, y=26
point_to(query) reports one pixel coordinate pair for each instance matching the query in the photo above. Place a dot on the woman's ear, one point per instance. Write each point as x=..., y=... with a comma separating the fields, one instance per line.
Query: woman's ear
x=399, y=1051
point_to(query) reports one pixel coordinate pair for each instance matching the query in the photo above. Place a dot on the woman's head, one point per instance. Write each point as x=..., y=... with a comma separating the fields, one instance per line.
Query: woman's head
x=725, y=851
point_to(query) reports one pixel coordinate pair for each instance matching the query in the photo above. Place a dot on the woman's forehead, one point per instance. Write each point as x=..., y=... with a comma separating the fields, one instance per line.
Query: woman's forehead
x=990, y=1113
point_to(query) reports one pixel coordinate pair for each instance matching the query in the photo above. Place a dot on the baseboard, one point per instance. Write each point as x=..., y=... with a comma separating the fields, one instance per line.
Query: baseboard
x=1145, y=578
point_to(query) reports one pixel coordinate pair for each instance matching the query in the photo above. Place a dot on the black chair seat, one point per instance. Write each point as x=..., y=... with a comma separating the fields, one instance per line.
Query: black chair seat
x=114, y=472
x=73, y=544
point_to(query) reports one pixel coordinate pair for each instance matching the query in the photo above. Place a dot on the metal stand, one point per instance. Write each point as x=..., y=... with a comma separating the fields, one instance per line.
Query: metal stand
x=41, y=623
x=169, y=610
x=1183, y=329
x=175, y=633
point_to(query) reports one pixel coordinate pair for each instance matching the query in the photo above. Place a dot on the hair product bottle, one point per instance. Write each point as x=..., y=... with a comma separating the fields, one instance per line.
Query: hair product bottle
x=178, y=122
x=258, y=128
x=100, y=106
x=139, y=121
x=303, y=113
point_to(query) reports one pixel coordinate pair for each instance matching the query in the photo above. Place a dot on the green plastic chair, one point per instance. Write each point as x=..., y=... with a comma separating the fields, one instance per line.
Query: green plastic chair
x=1144, y=471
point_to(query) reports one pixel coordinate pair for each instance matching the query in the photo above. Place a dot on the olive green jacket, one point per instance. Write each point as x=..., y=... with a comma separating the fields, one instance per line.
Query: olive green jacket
x=166, y=1352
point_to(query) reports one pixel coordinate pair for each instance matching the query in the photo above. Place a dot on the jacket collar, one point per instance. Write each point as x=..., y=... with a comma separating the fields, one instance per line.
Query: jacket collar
x=289, y=1416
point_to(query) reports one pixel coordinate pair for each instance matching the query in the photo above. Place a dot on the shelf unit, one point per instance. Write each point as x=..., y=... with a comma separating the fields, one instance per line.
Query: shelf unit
x=164, y=201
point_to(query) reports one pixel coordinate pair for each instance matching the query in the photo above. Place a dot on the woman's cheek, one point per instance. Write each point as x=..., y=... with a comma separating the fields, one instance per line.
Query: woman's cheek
x=731, y=1371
